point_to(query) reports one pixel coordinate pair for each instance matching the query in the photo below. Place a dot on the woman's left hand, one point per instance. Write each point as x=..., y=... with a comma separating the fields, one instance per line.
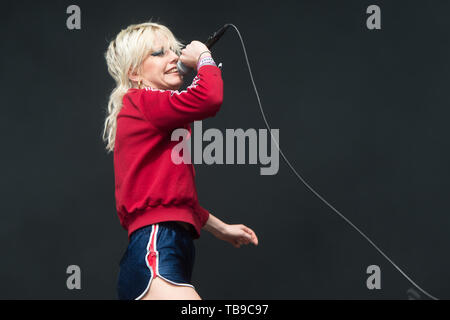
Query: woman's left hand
x=237, y=235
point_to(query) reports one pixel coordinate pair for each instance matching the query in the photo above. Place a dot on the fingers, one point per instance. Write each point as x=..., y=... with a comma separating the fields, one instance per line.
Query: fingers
x=240, y=241
x=251, y=235
x=183, y=55
x=247, y=236
x=239, y=234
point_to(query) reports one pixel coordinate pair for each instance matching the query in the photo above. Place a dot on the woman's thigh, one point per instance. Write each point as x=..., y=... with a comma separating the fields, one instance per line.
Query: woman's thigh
x=163, y=290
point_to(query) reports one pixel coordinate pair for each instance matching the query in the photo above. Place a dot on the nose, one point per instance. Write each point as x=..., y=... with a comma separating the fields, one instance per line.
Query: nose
x=173, y=57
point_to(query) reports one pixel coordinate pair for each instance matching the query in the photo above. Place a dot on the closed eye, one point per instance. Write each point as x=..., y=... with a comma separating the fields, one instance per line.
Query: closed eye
x=158, y=53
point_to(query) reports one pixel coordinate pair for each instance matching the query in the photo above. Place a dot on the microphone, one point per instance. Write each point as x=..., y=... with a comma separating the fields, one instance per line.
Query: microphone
x=216, y=36
x=209, y=44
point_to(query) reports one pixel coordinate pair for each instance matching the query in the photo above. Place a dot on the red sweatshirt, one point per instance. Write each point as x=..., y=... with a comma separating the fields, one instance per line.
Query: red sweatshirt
x=149, y=187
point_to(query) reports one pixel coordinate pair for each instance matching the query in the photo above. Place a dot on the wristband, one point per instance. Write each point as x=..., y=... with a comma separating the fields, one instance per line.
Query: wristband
x=206, y=61
x=200, y=55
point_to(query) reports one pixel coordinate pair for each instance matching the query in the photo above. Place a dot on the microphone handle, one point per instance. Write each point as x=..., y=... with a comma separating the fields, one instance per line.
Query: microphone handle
x=209, y=44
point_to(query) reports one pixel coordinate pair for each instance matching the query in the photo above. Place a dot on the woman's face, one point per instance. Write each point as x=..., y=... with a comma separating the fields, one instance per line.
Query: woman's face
x=159, y=69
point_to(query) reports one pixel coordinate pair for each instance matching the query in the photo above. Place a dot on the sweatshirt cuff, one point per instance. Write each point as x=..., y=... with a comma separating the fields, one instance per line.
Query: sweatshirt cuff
x=208, y=66
x=203, y=214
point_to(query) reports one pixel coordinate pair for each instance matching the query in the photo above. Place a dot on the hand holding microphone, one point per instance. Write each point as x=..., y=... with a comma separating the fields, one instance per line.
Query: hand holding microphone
x=186, y=62
x=191, y=54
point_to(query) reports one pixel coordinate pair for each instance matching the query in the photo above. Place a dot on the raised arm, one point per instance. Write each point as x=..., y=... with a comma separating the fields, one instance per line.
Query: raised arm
x=169, y=109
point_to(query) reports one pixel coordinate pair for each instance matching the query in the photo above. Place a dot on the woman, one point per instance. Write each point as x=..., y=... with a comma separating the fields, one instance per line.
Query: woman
x=156, y=199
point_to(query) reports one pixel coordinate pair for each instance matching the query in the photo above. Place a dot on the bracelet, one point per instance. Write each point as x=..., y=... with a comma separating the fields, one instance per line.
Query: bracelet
x=206, y=61
x=200, y=55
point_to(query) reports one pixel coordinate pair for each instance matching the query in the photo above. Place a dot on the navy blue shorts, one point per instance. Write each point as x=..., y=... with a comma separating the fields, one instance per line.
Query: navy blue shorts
x=164, y=250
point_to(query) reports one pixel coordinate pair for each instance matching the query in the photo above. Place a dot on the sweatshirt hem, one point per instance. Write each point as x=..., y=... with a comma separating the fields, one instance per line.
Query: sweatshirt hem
x=152, y=215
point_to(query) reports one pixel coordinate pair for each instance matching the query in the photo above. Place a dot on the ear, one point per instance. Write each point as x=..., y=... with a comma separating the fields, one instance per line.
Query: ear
x=133, y=76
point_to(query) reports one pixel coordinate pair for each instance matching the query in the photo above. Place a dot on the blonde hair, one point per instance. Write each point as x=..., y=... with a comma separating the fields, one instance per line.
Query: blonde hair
x=125, y=54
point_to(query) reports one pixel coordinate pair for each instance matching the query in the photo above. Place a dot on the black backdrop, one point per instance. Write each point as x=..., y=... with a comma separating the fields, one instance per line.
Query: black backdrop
x=362, y=116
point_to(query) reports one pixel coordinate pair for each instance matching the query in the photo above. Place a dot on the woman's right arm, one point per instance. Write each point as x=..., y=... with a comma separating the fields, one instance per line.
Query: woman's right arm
x=169, y=109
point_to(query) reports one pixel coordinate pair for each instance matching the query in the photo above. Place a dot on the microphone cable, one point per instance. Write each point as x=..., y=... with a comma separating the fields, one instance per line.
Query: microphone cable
x=311, y=189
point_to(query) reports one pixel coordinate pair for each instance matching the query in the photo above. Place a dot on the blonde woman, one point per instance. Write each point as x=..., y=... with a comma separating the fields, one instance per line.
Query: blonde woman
x=156, y=199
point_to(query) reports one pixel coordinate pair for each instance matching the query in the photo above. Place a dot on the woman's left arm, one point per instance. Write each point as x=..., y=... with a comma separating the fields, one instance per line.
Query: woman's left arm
x=236, y=234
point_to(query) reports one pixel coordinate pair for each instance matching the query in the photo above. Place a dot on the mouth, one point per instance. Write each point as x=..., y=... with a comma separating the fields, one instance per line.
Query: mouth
x=173, y=70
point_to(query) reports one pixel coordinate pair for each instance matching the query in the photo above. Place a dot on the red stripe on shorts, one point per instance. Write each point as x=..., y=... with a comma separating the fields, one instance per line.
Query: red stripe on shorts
x=151, y=259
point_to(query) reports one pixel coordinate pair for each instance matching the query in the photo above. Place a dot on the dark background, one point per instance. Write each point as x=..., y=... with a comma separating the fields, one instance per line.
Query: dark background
x=362, y=116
